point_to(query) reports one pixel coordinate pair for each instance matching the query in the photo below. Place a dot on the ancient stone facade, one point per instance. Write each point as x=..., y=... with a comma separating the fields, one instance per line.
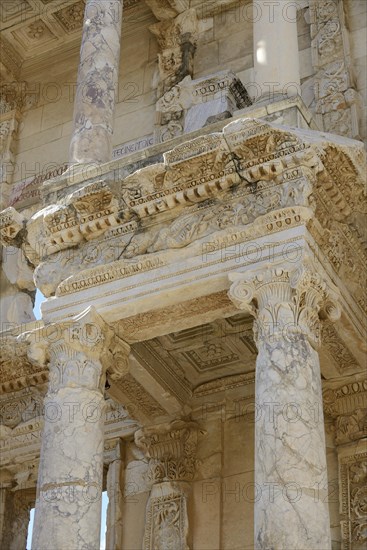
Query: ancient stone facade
x=184, y=182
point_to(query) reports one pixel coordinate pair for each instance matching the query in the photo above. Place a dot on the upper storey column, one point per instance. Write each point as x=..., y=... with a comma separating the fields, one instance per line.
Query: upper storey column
x=276, y=55
x=91, y=141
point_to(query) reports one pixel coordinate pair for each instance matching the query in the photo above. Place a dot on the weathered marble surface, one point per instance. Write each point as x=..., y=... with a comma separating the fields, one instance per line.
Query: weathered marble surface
x=14, y=517
x=17, y=288
x=291, y=509
x=97, y=83
x=171, y=450
x=114, y=483
x=69, y=490
x=290, y=464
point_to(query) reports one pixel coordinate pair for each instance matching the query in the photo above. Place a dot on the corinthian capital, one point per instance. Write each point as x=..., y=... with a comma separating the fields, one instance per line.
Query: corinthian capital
x=285, y=300
x=80, y=351
x=171, y=449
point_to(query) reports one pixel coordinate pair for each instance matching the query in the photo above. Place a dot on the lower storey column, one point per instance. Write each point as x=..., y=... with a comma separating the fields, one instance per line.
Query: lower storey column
x=68, y=504
x=15, y=508
x=291, y=510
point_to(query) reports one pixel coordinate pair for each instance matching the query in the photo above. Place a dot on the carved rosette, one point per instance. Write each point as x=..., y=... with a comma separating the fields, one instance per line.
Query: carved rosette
x=171, y=450
x=285, y=302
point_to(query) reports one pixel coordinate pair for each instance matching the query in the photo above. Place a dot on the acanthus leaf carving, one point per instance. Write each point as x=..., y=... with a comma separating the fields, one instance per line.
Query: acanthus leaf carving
x=171, y=449
x=285, y=301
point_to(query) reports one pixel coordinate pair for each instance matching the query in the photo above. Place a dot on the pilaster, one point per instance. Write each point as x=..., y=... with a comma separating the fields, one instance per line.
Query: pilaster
x=171, y=450
x=276, y=40
x=336, y=99
x=345, y=402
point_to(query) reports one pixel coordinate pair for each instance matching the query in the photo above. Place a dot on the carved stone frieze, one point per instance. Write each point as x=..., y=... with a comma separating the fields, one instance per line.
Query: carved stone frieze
x=135, y=327
x=252, y=174
x=335, y=96
x=342, y=355
x=136, y=399
x=347, y=405
x=224, y=384
x=16, y=370
x=353, y=509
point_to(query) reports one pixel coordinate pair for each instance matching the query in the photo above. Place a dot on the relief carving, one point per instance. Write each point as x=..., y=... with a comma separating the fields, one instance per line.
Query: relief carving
x=353, y=498
x=166, y=523
x=177, y=42
x=335, y=97
x=171, y=451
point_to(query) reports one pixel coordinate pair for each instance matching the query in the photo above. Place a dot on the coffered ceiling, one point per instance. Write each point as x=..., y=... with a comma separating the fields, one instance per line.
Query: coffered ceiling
x=34, y=29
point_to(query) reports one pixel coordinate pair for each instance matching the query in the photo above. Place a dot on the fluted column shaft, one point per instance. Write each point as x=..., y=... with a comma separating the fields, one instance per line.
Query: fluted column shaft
x=95, y=99
x=291, y=510
x=276, y=57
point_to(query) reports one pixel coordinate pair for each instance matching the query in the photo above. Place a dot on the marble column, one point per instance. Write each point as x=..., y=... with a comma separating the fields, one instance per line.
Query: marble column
x=95, y=99
x=14, y=519
x=171, y=450
x=291, y=510
x=115, y=496
x=68, y=504
x=276, y=57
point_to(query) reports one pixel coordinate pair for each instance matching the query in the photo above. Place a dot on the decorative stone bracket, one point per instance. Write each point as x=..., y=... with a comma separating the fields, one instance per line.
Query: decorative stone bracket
x=177, y=42
x=11, y=223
